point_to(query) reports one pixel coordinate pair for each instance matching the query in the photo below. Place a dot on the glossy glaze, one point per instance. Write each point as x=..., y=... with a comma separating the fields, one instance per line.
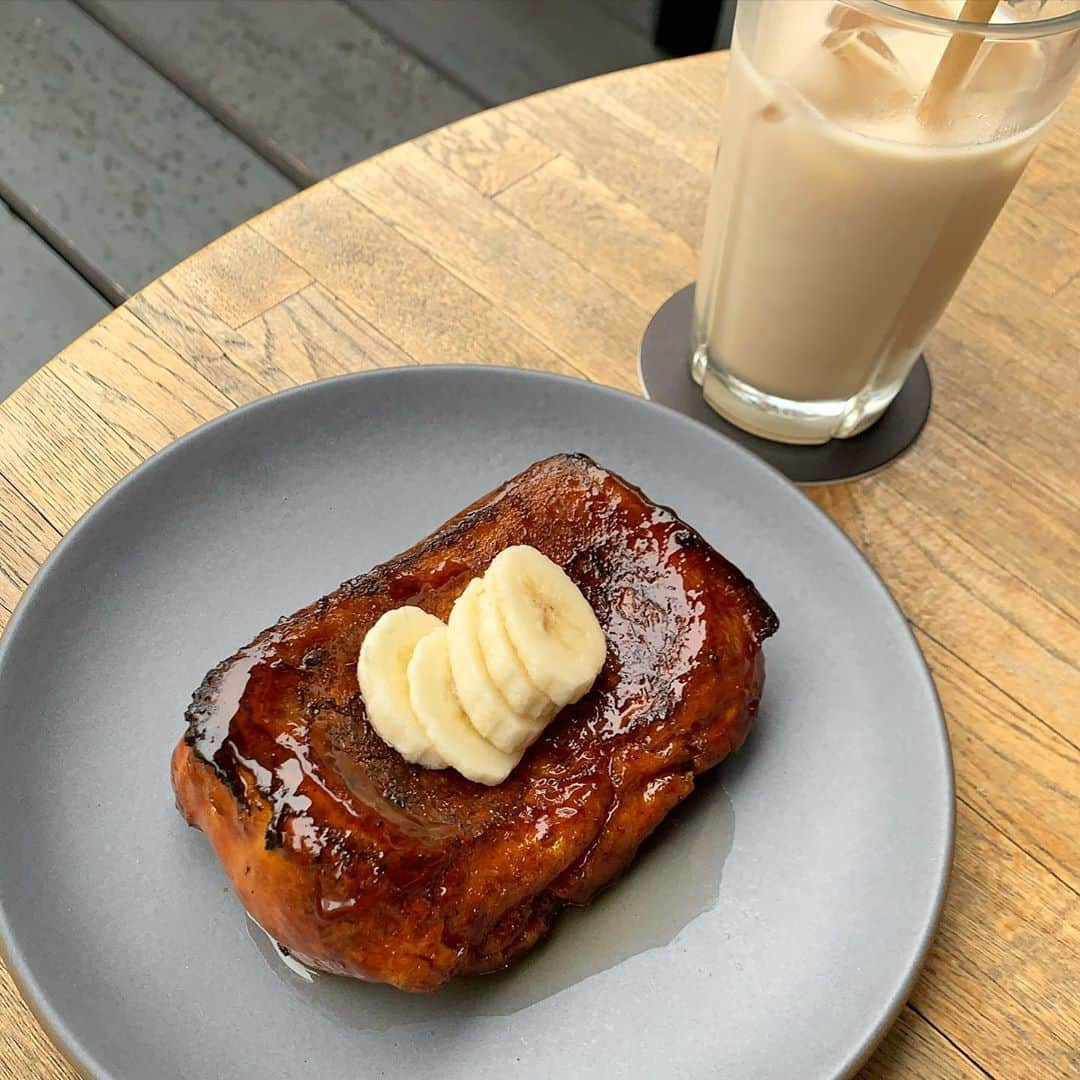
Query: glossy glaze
x=364, y=864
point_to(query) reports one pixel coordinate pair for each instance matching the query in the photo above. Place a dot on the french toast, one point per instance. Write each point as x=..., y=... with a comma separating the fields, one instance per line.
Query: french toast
x=362, y=864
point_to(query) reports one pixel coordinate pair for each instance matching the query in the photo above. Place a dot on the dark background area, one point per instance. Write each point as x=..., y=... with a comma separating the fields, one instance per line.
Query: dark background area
x=134, y=132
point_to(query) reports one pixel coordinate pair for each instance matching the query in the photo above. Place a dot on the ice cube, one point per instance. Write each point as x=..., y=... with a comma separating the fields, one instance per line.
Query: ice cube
x=855, y=73
x=1034, y=9
x=871, y=40
x=1007, y=67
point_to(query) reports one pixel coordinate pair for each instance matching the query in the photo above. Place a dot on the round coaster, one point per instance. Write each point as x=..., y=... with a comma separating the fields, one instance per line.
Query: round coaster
x=664, y=364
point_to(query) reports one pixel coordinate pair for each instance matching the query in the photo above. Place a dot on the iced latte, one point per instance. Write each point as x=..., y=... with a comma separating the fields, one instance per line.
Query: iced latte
x=842, y=214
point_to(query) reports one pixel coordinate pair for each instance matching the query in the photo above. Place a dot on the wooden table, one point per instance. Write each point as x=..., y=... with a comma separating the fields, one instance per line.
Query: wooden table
x=545, y=233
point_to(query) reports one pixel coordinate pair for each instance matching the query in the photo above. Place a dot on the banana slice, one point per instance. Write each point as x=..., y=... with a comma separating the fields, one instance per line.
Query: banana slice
x=504, y=664
x=381, y=671
x=488, y=710
x=435, y=703
x=551, y=626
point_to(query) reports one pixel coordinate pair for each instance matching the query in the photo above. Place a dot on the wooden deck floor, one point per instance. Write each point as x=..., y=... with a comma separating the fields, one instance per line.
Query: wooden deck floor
x=133, y=132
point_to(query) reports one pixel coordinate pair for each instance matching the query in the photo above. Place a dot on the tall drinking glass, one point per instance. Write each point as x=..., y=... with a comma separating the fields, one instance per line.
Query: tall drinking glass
x=867, y=147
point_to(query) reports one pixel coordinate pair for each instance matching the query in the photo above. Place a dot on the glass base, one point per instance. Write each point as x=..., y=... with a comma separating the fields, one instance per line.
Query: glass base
x=664, y=367
x=799, y=423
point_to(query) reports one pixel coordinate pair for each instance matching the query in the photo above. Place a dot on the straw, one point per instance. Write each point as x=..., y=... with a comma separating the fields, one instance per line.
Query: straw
x=955, y=61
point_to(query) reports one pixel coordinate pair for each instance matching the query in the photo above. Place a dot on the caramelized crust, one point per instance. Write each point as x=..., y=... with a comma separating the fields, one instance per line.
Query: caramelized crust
x=363, y=864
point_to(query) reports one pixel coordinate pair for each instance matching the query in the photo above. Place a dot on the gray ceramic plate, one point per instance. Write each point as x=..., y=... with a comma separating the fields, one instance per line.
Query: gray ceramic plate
x=771, y=928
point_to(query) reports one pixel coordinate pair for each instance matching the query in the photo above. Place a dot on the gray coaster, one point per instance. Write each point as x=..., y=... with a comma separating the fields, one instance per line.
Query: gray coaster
x=664, y=363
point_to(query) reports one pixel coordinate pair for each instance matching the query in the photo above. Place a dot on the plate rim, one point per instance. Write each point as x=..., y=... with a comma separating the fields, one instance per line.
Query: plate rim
x=19, y=967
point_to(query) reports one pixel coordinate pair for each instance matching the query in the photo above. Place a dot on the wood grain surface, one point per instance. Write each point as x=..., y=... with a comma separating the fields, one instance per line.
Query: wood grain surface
x=544, y=234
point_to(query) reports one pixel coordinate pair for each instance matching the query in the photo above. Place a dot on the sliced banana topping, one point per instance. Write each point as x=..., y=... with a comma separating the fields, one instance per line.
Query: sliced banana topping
x=506, y=668
x=521, y=642
x=481, y=695
x=381, y=671
x=550, y=624
x=435, y=702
